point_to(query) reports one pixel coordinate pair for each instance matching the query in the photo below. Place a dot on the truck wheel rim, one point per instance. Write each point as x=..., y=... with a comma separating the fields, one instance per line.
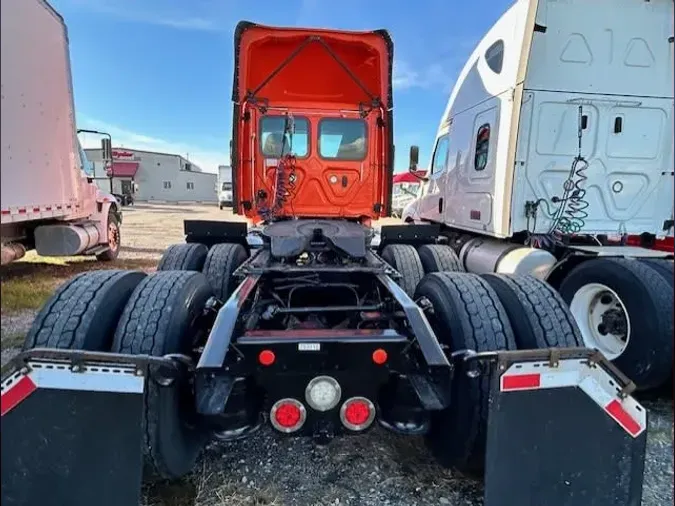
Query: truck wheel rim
x=113, y=243
x=602, y=318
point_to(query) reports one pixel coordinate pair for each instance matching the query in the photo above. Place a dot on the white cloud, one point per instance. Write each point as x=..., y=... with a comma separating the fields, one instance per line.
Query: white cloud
x=129, y=11
x=207, y=160
x=404, y=76
x=435, y=75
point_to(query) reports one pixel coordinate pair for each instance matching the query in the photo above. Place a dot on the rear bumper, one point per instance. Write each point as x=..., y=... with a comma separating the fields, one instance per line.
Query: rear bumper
x=280, y=365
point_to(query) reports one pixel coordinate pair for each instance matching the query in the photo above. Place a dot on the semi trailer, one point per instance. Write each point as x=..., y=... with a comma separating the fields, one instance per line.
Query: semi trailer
x=304, y=322
x=49, y=202
x=554, y=157
x=224, y=188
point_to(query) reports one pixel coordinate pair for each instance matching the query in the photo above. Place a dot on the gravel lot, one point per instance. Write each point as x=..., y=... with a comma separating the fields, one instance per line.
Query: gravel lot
x=377, y=468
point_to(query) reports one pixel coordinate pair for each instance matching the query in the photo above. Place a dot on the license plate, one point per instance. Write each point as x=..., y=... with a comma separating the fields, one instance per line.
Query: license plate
x=309, y=347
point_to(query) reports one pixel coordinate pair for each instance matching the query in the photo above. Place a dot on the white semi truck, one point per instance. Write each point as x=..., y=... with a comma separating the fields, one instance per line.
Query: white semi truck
x=224, y=189
x=48, y=202
x=556, y=146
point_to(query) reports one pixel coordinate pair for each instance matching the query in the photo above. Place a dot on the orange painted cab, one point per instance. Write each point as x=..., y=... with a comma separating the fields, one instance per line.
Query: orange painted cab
x=312, y=123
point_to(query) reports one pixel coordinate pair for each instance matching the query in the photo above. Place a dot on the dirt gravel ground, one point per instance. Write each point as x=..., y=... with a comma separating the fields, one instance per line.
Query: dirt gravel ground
x=377, y=468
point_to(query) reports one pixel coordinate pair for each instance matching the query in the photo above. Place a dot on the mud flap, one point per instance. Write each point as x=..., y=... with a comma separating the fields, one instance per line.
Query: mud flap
x=563, y=432
x=72, y=434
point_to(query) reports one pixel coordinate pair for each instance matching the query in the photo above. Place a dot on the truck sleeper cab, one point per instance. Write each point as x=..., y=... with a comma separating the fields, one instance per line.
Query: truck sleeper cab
x=554, y=152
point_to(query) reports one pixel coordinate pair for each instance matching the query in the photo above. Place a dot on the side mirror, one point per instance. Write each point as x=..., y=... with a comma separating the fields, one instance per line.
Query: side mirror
x=106, y=149
x=414, y=160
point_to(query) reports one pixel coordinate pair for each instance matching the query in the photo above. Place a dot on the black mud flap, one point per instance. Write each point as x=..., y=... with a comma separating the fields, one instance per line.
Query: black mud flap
x=563, y=432
x=72, y=434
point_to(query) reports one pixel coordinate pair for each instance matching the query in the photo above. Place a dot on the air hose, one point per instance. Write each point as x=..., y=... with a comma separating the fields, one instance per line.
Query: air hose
x=284, y=176
x=570, y=216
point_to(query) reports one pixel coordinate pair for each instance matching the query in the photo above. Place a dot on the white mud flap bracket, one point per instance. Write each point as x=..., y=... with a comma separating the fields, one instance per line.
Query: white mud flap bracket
x=72, y=429
x=563, y=431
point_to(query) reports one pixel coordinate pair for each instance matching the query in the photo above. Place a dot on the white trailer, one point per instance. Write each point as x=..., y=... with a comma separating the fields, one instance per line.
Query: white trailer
x=555, y=147
x=224, y=189
x=48, y=203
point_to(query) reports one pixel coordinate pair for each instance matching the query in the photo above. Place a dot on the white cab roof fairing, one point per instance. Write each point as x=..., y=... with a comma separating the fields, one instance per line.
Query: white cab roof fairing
x=624, y=54
x=544, y=46
x=509, y=27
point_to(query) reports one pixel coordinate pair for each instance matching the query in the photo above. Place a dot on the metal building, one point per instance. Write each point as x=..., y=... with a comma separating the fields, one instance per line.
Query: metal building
x=158, y=177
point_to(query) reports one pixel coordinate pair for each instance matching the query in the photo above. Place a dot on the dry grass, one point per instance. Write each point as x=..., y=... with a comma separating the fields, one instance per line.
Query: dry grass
x=28, y=283
x=208, y=488
x=147, y=229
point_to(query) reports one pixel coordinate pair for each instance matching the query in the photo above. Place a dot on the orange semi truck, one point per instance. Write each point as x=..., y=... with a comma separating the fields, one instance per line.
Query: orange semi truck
x=313, y=329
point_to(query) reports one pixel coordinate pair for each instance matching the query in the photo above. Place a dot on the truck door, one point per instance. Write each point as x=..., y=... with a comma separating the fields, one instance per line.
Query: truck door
x=432, y=204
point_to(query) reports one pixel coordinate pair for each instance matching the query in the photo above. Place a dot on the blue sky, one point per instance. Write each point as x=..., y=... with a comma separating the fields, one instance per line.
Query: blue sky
x=157, y=74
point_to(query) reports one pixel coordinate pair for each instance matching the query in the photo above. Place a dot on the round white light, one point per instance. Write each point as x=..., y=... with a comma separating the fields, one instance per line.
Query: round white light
x=323, y=393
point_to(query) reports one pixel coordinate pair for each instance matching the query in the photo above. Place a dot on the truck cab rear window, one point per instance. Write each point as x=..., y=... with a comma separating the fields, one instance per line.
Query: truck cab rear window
x=342, y=139
x=274, y=143
x=482, y=147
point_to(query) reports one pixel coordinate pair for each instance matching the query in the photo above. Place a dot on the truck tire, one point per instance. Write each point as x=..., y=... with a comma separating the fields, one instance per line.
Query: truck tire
x=82, y=314
x=183, y=257
x=114, y=240
x=467, y=314
x=637, y=301
x=221, y=262
x=161, y=318
x=539, y=316
x=404, y=258
x=663, y=266
x=439, y=258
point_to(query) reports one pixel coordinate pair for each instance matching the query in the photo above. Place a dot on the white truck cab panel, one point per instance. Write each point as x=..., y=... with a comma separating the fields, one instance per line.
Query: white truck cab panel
x=509, y=134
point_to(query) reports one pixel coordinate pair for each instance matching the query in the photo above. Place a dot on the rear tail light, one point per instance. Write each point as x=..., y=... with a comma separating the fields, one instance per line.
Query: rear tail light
x=323, y=393
x=288, y=415
x=379, y=356
x=266, y=357
x=357, y=413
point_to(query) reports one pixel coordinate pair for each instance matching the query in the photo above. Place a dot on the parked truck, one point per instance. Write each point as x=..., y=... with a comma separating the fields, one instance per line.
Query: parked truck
x=554, y=156
x=224, y=186
x=49, y=202
x=318, y=331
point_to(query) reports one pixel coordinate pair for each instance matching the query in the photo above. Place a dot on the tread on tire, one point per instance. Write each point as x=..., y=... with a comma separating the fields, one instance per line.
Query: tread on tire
x=439, y=258
x=404, y=258
x=183, y=257
x=221, y=262
x=82, y=314
x=539, y=316
x=467, y=314
x=159, y=319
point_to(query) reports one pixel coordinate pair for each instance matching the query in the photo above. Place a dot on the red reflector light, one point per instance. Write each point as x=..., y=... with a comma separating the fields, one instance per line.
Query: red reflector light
x=266, y=357
x=619, y=414
x=16, y=393
x=521, y=381
x=357, y=413
x=379, y=356
x=288, y=415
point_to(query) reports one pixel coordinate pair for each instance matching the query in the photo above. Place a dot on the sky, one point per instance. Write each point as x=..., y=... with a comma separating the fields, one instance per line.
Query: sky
x=157, y=74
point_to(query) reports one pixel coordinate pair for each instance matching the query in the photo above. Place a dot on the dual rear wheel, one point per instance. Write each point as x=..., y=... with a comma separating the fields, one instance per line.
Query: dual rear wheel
x=622, y=307
x=491, y=312
x=133, y=313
